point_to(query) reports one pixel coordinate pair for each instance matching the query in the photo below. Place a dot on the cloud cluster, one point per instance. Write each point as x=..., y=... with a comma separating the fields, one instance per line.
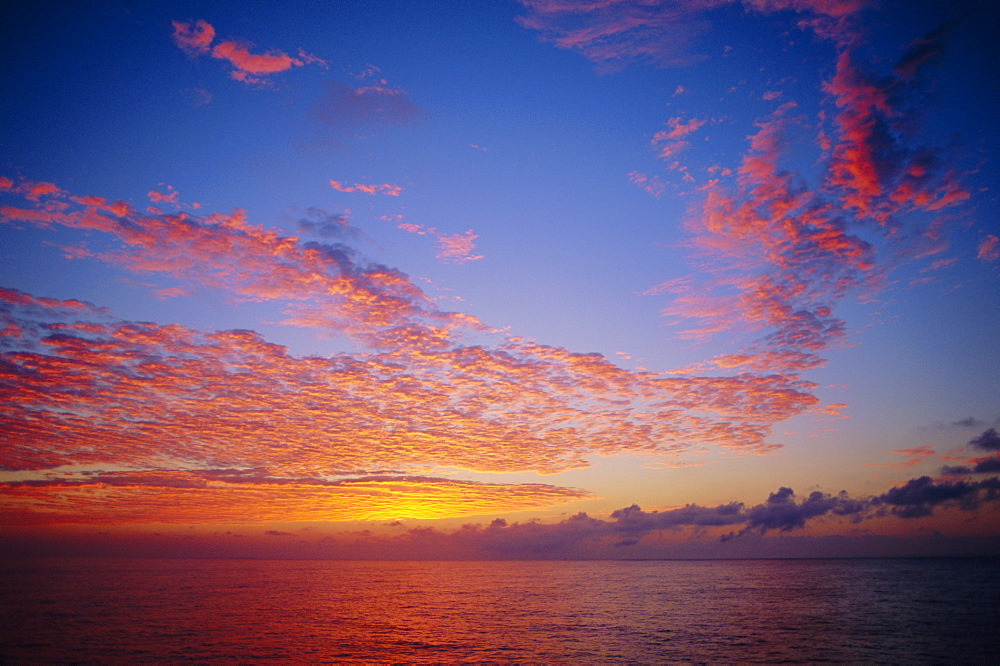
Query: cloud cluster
x=172, y=404
x=783, y=255
x=326, y=285
x=85, y=389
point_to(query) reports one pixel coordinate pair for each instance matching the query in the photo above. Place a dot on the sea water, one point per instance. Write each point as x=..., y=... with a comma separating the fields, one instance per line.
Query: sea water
x=145, y=610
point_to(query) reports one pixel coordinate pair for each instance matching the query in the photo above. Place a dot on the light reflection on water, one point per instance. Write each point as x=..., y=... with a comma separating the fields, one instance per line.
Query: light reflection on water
x=896, y=611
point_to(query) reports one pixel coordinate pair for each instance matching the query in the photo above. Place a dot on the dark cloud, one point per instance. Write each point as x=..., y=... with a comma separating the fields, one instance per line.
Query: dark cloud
x=929, y=49
x=634, y=519
x=990, y=465
x=970, y=422
x=918, y=497
x=346, y=107
x=320, y=223
x=988, y=441
x=781, y=512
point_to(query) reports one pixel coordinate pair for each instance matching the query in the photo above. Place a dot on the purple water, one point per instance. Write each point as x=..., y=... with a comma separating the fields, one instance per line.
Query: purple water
x=104, y=610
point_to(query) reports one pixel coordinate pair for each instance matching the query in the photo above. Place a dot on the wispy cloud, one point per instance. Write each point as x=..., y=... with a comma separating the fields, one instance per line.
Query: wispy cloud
x=989, y=248
x=652, y=184
x=664, y=33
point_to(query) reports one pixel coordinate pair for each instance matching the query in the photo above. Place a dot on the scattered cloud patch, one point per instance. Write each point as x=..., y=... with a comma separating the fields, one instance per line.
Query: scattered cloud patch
x=457, y=248
x=386, y=188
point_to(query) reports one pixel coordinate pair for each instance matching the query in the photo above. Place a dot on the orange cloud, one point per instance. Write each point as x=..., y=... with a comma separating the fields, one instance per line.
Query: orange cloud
x=228, y=496
x=84, y=389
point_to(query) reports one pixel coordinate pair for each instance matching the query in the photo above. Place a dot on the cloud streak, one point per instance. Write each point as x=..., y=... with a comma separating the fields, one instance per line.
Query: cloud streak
x=663, y=33
x=228, y=496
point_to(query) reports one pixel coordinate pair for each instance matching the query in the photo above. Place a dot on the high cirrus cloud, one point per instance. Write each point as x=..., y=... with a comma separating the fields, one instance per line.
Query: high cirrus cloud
x=615, y=33
x=195, y=38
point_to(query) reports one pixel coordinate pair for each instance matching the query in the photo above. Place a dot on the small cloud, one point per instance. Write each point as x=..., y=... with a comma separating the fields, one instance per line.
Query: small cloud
x=344, y=106
x=988, y=441
x=771, y=95
x=386, y=188
x=457, y=248
x=193, y=37
x=326, y=225
x=651, y=184
x=198, y=96
x=170, y=292
x=989, y=249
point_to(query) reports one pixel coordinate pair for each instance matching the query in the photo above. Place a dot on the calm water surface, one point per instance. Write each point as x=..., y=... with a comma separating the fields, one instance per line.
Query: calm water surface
x=895, y=611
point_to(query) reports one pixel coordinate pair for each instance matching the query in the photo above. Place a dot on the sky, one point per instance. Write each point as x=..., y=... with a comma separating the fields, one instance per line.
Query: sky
x=506, y=279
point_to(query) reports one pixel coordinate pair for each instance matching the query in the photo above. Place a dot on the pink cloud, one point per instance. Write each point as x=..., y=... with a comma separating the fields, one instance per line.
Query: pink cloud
x=245, y=62
x=227, y=252
x=387, y=189
x=663, y=33
x=651, y=184
x=193, y=37
x=457, y=248
x=989, y=248
x=672, y=142
x=874, y=170
x=87, y=389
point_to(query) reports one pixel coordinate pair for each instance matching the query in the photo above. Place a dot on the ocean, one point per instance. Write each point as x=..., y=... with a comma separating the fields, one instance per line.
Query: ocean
x=162, y=610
